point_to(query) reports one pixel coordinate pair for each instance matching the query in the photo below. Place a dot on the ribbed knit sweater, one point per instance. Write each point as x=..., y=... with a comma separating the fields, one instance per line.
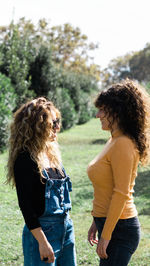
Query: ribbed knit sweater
x=113, y=174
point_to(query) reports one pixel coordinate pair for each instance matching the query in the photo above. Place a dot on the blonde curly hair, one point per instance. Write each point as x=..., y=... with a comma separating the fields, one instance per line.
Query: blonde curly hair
x=32, y=130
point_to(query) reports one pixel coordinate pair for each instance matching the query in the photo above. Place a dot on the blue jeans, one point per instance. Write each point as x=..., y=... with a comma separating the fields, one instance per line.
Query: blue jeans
x=124, y=241
x=60, y=234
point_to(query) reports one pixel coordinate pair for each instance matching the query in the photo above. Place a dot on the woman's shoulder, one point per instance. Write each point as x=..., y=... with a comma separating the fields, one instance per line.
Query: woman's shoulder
x=125, y=142
x=23, y=159
x=23, y=155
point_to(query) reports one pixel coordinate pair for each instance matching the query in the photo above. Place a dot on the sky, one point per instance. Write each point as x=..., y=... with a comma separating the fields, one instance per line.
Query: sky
x=119, y=26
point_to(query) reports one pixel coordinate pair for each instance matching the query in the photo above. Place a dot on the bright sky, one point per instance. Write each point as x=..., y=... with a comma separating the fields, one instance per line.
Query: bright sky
x=119, y=26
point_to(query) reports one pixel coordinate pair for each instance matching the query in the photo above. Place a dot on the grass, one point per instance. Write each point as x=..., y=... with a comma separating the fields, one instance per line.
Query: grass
x=78, y=146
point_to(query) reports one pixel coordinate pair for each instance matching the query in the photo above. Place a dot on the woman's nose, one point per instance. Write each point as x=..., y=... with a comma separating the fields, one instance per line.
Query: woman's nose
x=57, y=126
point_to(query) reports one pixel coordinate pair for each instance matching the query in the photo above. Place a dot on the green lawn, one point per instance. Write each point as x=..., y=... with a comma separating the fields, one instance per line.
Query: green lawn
x=78, y=146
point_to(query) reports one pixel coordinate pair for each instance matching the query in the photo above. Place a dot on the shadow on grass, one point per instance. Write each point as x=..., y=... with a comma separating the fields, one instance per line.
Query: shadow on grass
x=99, y=141
x=82, y=195
x=142, y=189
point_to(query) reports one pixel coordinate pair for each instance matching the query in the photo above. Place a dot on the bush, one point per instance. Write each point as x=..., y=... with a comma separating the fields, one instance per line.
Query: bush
x=87, y=109
x=65, y=104
x=14, y=63
x=7, y=104
x=70, y=81
x=44, y=75
x=80, y=87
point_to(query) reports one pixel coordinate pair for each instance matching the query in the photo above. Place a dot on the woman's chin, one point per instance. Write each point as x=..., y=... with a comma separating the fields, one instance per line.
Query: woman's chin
x=105, y=128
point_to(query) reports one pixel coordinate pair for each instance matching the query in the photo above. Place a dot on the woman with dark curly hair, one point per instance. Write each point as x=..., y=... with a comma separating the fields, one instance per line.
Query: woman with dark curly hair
x=35, y=169
x=124, y=110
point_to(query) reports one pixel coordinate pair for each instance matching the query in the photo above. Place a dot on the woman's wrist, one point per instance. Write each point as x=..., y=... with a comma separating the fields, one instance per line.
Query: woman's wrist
x=39, y=235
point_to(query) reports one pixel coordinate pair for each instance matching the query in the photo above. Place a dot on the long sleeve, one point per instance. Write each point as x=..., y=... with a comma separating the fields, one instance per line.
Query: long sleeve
x=30, y=190
x=122, y=160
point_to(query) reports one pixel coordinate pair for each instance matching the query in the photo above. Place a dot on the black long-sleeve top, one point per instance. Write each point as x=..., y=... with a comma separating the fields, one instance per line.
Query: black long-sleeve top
x=30, y=190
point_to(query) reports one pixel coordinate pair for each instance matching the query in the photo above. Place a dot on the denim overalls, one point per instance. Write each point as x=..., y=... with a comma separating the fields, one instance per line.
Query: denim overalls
x=55, y=223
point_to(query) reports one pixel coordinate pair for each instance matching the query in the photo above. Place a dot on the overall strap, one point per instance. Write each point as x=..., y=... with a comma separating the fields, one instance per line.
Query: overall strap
x=64, y=171
x=45, y=174
x=49, y=184
x=67, y=178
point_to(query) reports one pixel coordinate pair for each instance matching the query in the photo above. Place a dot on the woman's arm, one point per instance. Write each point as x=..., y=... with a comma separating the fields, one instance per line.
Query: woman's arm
x=45, y=249
x=27, y=179
x=92, y=234
x=101, y=244
x=25, y=170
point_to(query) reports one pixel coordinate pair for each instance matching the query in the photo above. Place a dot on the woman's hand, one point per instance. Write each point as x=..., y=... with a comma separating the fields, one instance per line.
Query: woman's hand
x=92, y=234
x=46, y=251
x=101, y=248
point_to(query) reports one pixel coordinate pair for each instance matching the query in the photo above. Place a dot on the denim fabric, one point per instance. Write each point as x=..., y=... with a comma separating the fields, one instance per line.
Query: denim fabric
x=56, y=224
x=57, y=195
x=124, y=241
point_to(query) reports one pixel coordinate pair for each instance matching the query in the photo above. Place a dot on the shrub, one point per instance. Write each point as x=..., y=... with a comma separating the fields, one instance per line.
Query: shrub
x=7, y=104
x=16, y=55
x=66, y=106
x=86, y=109
x=80, y=87
x=44, y=75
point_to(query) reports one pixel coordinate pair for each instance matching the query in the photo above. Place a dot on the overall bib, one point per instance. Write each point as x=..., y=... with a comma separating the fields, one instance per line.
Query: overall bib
x=55, y=223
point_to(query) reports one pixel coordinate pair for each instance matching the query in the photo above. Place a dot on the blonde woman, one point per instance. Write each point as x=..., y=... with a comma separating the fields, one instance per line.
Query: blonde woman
x=124, y=110
x=35, y=169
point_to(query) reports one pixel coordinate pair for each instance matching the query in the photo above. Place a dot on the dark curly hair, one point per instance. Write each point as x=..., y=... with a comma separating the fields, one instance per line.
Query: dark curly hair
x=129, y=105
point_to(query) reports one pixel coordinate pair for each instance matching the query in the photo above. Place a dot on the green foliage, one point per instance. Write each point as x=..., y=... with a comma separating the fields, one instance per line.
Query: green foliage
x=87, y=83
x=140, y=65
x=44, y=74
x=80, y=88
x=70, y=82
x=117, y=69
x=7, y=104
x=53, y=62
x=135, y=65
x=66, y=106
x=86, y=109
x=72, y=50
x=15, y=63
x=70, y=47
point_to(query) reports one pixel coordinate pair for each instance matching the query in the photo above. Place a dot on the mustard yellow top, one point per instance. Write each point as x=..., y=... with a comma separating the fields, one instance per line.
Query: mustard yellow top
x=113, y=174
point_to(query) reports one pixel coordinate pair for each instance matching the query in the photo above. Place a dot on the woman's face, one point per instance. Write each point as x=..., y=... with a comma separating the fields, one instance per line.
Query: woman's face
x=56, y=125
x=101, y=114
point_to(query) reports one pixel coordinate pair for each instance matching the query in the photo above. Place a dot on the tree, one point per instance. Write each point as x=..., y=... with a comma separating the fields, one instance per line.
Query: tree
x=72, y=51
x=135, y=65
x=140, y=65
x=70, y=47
x=15, y=63
x=80, y=88
x=7, y=104
x=44, y=74
x=65, y=104
x=118, y=68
